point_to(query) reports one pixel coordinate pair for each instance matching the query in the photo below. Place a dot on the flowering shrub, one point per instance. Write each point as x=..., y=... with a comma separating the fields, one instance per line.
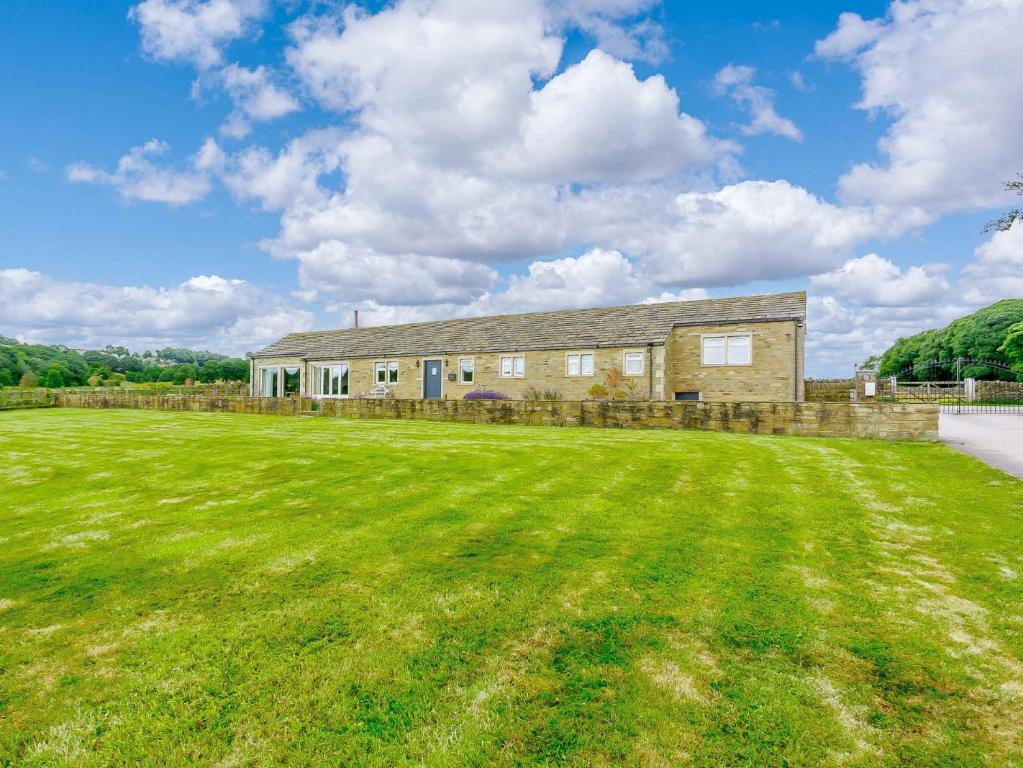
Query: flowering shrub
x=485, y=394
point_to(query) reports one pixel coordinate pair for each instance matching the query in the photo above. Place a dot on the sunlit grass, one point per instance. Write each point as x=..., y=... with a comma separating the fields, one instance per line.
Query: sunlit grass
x=181, y=589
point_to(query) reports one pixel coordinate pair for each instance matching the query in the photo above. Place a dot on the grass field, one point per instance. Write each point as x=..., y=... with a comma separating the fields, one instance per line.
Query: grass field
x=211, y=589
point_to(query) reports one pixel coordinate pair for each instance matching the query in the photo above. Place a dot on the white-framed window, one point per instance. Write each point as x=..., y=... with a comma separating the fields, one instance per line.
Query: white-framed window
x=633, y=363
x=728, y=349
x=513, y=366
x=385, y=372
x=579, y=364
x=466, y=370
x=330, y=380
x=269, y=379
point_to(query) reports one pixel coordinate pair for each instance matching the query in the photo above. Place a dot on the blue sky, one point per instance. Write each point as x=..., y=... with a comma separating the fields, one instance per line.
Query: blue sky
x=282, y=163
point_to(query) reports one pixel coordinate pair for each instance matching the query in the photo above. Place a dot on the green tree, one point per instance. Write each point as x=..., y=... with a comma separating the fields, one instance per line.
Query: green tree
x=1010, y=217
x=54, y=377
x=235, y=369
x=1012, y=347
x=979, y=336
x=211, y=371
x=28, y=379
x=183, y=373
x=6, y=379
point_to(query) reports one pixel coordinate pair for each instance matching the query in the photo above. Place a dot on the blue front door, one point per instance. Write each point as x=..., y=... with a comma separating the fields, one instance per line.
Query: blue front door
x=431, y=379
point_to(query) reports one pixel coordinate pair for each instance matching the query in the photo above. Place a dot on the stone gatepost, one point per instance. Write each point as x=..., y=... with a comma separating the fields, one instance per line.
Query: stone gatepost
x=865, y=386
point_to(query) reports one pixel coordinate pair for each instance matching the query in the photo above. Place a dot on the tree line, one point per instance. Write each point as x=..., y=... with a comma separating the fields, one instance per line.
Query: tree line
x=994, y=333
x=59, y=366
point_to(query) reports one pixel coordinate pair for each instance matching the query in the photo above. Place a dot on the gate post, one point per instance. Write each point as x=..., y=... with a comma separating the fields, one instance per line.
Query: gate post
x=866, y=385
x=970, y=389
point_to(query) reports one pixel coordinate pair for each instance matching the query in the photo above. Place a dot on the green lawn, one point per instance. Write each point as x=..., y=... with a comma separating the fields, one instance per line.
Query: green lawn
x=211, y=589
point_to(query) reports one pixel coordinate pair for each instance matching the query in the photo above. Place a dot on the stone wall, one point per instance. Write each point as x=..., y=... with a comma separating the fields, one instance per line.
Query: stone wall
x=11, y=399
x=888, y=421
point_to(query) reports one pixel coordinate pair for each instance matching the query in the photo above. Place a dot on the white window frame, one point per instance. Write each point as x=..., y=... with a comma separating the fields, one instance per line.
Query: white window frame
x=580, y=368
x=318, y=368
x=725, y=337
x=625, y=362
x=517, y=369
x=280, y=379
x=472, y=371
x=385, y=367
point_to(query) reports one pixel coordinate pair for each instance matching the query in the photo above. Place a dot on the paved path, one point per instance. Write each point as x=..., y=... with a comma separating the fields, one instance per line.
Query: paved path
x=996, y=438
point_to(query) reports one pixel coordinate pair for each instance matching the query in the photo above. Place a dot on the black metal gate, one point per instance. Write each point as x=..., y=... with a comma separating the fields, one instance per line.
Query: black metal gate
x=956, y=393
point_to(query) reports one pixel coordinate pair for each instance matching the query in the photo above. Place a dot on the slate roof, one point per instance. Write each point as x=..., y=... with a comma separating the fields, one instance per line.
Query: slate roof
x=627, y=326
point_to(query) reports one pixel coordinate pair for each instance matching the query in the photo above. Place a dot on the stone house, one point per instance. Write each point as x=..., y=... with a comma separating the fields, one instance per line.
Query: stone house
x=746, y=348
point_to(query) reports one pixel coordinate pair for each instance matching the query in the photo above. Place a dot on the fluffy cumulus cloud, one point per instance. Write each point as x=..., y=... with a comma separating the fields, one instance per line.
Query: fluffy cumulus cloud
x=736, y=82
x=996, y=270
x=193, y=31
x=753, y=230
x=596, y=277
x=872, y=281
x=941, y=70
x=335, y=269
x=617, y=26
x=256, y=97
x=205, y=311
x=139, y=176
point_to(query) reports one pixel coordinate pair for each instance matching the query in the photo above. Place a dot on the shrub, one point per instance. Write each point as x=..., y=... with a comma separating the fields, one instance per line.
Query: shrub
x=535, y=393
x=485, y=394
x=597, y=392
x=28, y=379
x=532, y=393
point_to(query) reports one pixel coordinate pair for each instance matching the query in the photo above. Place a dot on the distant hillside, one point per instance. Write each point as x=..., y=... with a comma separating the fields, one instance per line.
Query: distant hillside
x=59, y=366
x=993, y=333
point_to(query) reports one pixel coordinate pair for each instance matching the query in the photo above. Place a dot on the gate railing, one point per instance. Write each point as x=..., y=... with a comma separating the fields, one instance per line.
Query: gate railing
x=961, y=395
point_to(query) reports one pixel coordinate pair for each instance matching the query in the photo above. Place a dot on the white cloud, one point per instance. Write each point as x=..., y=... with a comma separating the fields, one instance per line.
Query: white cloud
x=288, y=179
x=137, y=177
x=872, y=281
x=615, y=26
x=256, y=97
x=231, y=316
x=335, y=270
x=736, y=82
x=597, y=277
x=193, y=31
x=799, y=82
x=753, y=230
x=851, y=35
x=943, y=71
x=996, y=271
x=597, y=122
